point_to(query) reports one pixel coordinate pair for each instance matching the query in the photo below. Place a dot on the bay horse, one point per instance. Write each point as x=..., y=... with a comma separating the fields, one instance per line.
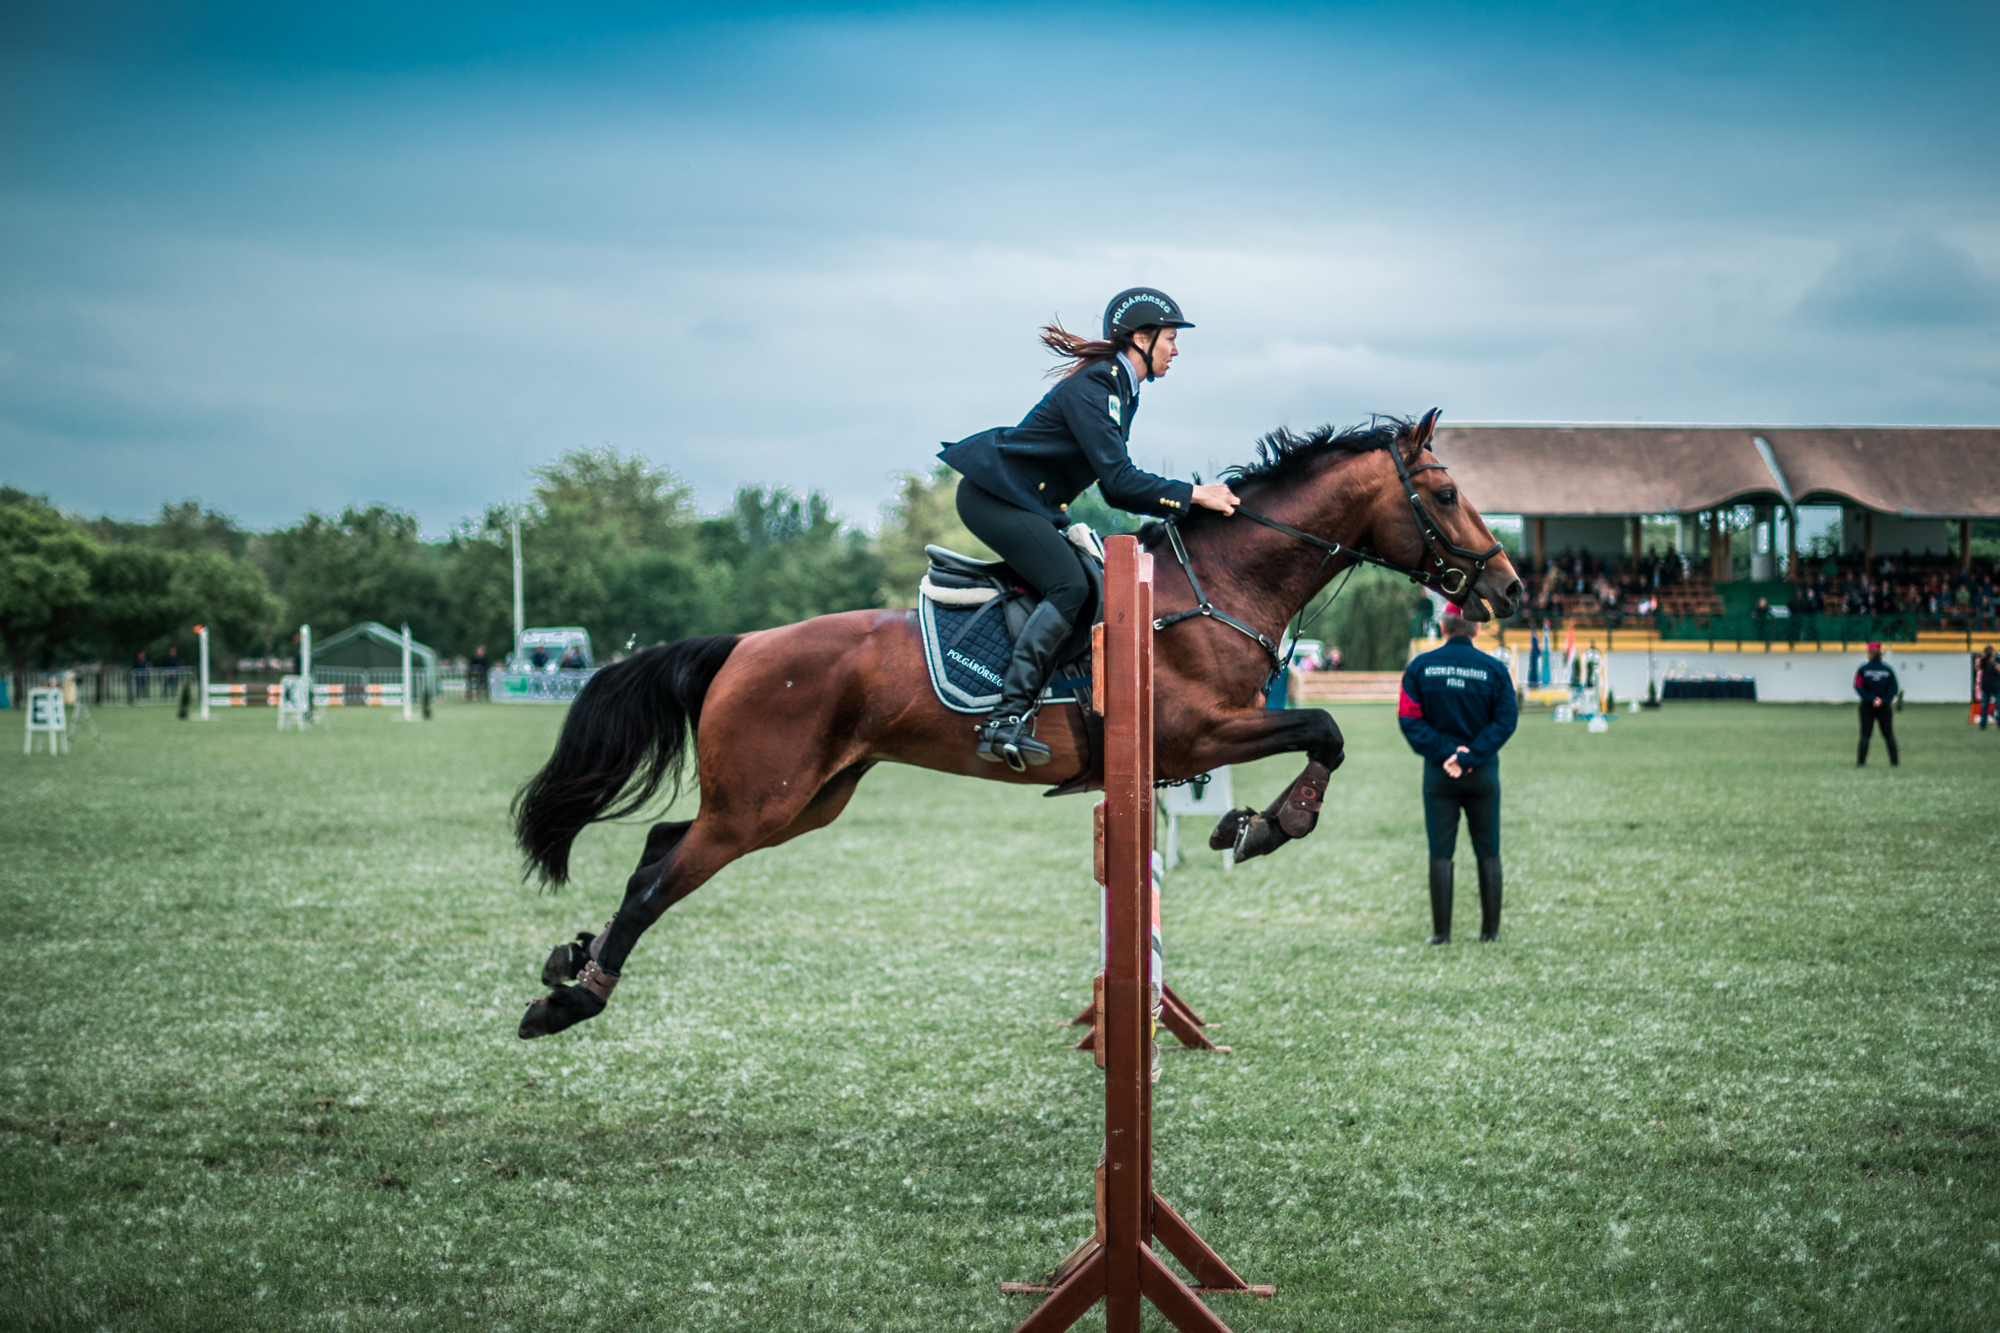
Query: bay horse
x=787, y=721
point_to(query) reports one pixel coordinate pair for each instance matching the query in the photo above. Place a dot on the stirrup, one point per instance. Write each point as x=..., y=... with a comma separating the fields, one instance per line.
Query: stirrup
x=1008, y=740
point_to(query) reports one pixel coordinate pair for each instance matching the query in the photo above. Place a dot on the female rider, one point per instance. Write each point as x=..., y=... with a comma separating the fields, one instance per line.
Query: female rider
x=1019, y=482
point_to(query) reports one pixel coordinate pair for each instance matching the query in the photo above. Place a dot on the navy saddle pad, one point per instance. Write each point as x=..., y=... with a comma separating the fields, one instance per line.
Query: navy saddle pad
x=967, y=643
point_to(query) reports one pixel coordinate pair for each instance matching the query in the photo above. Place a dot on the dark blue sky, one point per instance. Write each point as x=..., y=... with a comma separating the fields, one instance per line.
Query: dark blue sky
x=282, y=262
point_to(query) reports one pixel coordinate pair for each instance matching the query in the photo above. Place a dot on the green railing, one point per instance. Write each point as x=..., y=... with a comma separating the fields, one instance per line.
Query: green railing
x=1901, y=628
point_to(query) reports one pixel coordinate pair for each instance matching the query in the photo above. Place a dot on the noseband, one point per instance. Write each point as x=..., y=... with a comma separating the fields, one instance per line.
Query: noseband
x=1431, y=570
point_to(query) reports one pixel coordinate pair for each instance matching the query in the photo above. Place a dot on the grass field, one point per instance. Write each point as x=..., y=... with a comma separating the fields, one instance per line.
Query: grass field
x=1733, y=1064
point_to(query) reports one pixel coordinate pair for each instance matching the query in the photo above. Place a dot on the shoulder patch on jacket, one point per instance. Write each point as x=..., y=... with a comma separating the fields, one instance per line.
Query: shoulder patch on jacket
x=1117, y=410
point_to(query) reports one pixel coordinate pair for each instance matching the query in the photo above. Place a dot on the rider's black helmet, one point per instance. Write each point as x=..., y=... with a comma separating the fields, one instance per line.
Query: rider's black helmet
x=1138, y=308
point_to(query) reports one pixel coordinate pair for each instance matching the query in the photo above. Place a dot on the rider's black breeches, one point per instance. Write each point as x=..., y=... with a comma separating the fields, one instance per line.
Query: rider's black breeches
x=1035, y=547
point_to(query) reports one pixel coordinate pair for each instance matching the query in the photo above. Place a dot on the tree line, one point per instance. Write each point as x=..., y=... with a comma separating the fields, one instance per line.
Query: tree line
x=611, y=542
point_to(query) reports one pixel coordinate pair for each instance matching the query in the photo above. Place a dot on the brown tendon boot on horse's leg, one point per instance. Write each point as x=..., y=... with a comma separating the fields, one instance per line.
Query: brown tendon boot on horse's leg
x=1298, y=809
x=1293, y=815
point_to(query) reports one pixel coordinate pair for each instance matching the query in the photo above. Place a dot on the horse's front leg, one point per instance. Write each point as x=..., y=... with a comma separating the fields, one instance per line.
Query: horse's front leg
x=1251, y=734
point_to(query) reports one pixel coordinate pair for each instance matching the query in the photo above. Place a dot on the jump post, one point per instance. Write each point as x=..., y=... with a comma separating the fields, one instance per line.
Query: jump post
x=1117, y=1264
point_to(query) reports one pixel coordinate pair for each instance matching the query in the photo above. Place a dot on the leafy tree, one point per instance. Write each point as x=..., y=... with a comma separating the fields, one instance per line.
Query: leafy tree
x=1370, y=621
x=229, y=596
x=186, y=527
x=788, y=559
x=478, y=577
x=46, y=560
x=366, y=565
x=924, y=512
x=1092, y=508
x=613, y=543
x=132, y=601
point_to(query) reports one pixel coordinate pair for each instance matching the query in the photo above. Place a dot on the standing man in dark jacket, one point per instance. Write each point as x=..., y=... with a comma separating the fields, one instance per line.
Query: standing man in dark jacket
x=1457, y=710
x=1989, y=684
x=1876, y=684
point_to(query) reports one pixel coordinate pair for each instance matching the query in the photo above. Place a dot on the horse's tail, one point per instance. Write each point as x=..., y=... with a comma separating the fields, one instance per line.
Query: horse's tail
x=625, y=737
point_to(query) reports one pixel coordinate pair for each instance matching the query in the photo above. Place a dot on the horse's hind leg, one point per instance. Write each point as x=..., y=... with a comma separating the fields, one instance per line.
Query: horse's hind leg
x=689, y=855
x=567, y=960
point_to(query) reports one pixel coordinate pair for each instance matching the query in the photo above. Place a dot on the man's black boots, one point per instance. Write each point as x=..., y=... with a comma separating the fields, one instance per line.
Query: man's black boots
x=1440, y=900
x=1008, y=737
x=1489, y=899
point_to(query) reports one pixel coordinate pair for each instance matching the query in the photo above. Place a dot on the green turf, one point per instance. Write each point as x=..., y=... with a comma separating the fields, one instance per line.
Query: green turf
x=1732, y=1066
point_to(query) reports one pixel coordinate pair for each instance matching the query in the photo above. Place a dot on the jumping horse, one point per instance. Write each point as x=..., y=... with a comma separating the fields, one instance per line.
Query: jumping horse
x=787, y=721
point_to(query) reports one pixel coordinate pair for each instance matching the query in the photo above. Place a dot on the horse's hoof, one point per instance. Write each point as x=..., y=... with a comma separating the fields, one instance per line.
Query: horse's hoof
x=1227, y=828
x=1259, y=837
x=565, y=1006
x=566, y=960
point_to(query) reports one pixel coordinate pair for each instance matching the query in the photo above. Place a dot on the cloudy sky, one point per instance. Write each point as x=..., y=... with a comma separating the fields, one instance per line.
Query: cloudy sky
x=397, y=253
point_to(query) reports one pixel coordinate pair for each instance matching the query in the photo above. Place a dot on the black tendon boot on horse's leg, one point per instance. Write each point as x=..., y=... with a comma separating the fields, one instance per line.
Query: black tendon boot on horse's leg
x=566, y=961
x=584, y=960
x=1489, y=899
x=1007, y=736
x=1440, y=900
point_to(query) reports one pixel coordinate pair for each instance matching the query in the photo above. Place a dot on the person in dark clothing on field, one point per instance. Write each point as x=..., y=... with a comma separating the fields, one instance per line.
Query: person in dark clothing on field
x=1457, y=710
x=1989, y=684
x=1876, y=684
x=475, y=672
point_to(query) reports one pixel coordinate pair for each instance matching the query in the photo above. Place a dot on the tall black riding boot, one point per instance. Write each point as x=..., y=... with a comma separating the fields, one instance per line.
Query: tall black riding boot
x=1008, y=734
x=1440, y=900
x=1489, y=899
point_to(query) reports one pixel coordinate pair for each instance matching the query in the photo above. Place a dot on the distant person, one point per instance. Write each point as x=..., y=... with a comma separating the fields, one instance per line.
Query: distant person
x=1876, y=684
x=1989, y=684
x=540, y=658
x=1457, y=710
x=142, y=672
x=475, y=671
x=173, y=662
x=572, y=659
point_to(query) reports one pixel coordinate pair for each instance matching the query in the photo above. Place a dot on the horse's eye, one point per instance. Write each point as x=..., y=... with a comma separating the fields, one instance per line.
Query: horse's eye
x=1448, y=496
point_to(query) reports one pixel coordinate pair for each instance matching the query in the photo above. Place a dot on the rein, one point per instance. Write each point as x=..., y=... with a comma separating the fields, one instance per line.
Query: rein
x=1451, y=580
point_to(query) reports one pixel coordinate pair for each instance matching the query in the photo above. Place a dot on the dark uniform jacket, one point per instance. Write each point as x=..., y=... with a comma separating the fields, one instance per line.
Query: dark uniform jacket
x=1075, y=436
x=1875, y=682
x=1453, y=696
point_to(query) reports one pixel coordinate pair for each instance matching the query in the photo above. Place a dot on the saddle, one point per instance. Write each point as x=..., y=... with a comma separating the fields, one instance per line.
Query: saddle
x=971, y=611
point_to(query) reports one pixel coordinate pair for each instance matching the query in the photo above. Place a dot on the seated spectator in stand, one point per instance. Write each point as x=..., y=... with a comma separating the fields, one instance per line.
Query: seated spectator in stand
x=539, y=660
x=572, y=659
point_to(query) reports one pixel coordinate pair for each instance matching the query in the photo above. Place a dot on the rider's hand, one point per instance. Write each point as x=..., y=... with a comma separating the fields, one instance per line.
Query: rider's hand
x=1217, y=497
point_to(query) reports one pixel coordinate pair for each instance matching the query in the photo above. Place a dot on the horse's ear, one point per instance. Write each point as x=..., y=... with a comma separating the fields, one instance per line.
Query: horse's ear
x=1420, y=435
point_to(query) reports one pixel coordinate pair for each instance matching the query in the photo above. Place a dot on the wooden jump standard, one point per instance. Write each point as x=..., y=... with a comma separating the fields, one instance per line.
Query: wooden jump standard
x=1117, y=1264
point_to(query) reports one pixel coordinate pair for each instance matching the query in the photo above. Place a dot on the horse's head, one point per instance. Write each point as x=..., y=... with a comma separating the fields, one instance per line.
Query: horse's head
x=1421, y=520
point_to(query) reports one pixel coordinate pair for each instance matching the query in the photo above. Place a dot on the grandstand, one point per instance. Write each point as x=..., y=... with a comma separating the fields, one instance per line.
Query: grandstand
x=1722, y=503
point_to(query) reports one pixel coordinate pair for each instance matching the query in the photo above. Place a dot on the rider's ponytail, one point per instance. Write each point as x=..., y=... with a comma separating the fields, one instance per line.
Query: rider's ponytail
x=1079, y=351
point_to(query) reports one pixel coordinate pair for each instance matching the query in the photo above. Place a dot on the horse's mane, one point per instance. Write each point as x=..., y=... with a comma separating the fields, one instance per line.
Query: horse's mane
x=1284, y=456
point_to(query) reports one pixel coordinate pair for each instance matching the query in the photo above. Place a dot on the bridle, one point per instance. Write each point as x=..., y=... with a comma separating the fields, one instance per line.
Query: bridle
x=1431, y=569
